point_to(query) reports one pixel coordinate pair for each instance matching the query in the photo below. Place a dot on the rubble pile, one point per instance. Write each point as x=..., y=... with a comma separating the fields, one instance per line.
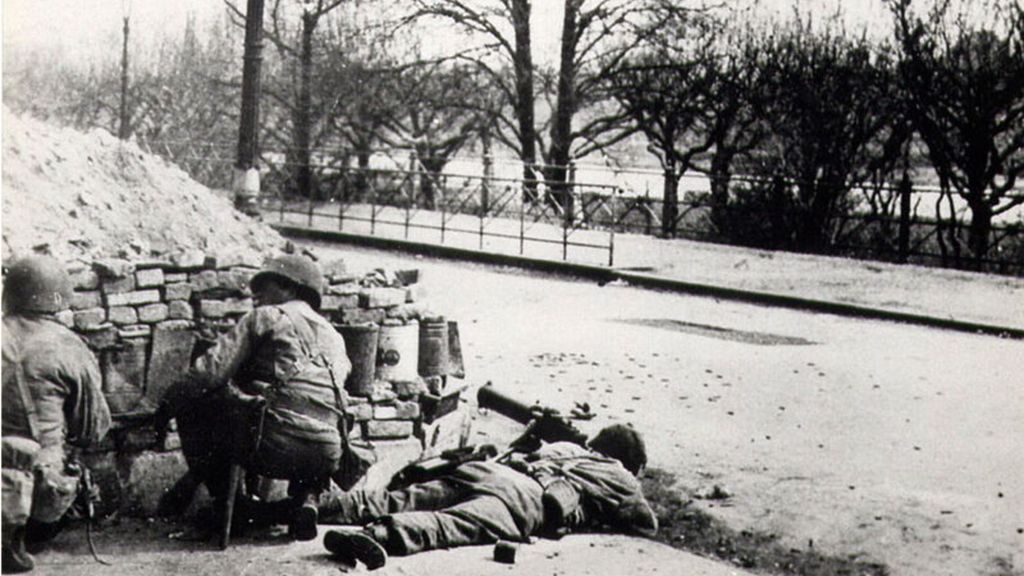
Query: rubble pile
x=89, y=195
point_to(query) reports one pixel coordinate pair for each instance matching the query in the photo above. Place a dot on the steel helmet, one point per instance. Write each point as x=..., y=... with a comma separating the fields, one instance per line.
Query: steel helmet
x=622, y=443
x=299, y=270
x=37, y=284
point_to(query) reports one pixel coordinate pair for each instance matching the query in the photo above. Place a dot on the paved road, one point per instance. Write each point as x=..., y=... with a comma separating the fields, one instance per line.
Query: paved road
x=898, y=442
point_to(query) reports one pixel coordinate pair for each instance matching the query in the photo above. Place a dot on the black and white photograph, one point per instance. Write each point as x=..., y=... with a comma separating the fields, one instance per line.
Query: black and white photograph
x=512, y=287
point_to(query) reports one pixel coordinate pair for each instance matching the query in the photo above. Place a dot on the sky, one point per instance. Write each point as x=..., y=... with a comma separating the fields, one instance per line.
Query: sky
x=84, y=28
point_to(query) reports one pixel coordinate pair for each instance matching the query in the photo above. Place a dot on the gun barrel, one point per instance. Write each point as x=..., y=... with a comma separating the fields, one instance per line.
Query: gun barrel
x=488, y=397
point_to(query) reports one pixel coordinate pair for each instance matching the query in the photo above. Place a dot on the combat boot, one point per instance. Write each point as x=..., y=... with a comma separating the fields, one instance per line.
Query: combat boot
x=303, y=524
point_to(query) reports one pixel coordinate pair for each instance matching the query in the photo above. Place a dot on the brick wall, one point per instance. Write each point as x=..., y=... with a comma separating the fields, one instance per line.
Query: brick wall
x=144, y=318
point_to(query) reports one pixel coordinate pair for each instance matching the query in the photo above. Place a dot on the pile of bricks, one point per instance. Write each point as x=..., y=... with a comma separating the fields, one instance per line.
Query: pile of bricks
x=143, y=319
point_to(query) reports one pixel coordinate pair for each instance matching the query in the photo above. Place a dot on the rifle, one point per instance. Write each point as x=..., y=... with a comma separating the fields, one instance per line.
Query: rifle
x=542, y=423
x=441, y=465
x=86, y=497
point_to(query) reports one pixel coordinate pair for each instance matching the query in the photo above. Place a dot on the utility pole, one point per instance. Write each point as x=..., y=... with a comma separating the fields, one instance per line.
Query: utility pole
x=123, y=129
x=247, y=175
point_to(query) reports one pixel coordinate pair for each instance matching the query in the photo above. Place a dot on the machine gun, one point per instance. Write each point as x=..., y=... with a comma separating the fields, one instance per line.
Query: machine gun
x=542, y=423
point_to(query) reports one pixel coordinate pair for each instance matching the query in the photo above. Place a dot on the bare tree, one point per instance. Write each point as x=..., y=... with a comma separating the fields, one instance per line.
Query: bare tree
x=965, y=81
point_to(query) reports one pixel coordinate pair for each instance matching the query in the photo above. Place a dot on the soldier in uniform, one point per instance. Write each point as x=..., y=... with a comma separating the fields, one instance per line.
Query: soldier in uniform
x=288, y=365
x=51, y=398
x=555, y=489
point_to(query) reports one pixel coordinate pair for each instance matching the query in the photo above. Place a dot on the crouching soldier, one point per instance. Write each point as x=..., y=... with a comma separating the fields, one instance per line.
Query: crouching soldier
x=558, y=488
x=268, y=395
x=51, y=397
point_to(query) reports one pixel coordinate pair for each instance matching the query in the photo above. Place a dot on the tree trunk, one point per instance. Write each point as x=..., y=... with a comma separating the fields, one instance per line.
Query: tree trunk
x=362, y=172
x=123, y=128
x=979, y=230
x=565, y=107
x=670, y=202
x=302, y=127
x=524, y=104
x=430, y=181
x=720, y=176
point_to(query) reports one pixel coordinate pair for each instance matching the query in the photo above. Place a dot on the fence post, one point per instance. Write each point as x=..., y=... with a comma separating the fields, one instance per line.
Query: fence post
x=444, y=202
x=611, y=247
x=522, y=223
x=413, y=170
x=906, y=189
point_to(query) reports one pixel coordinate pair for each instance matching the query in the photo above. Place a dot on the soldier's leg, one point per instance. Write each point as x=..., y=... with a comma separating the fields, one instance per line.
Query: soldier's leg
x=483, y=519
x=362, y=506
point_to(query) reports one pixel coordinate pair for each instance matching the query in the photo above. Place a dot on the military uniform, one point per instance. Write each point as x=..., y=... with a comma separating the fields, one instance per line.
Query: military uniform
x=294, y=359
x=52, y=397
x=482, y=502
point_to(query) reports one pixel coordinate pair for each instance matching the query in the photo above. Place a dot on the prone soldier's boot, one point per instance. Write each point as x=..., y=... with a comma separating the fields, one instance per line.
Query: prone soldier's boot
x=366, y=546
x=15, y=558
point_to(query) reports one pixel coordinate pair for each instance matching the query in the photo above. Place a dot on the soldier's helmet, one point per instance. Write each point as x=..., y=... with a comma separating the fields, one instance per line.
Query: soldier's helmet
x=37, y=284
x=622, y=443
x=299, y=270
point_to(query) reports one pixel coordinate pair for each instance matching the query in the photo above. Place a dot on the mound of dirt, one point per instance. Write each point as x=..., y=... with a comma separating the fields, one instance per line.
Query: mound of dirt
x=81, y=196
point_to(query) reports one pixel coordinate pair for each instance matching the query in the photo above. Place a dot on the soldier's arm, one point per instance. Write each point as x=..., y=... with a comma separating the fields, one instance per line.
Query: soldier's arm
x=85, y=409
x=221, y=362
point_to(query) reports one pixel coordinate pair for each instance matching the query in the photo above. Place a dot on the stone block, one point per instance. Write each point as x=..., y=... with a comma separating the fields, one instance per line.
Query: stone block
x=407, y=410
x=175, y=277
x=331, y=302
x=408, y=277
x=179, y=291
x=109, y=268
x=122, y=315
x=135, y=331
x=381, y=297
x=406, y=389
x=406, y=312
x=413, y=293
x=84, y=300
x=149, y=277
x=205, y=280
x=237, y=306
x=103, y=337
x=225, y=259
x=236, y=280
x=145, y=477
x=179, y=309
x=175, y=325
x=188, y=260
x=361, y=412
x=134, y=298
x=153, y=313
x=86, y=279
x=65, y=318
x=90, y=318
x=124, y=372
x=212, y=308
x=118, y=285
x=387, y=429
x=360, y=316
x=385, y=412
x=346, y=289
x=334, y=269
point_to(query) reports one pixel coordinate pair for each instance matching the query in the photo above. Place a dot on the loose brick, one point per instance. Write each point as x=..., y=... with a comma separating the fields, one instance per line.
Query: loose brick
x=205, y=280
x=149, y=278
x=387, y=429
x=179, y=309
x=135, y=331
x=381, y=297
x=133, y=298
x=65, y=317
x=86, y=279
x=105, y=336
x=408, y=277
x=237, y=305
x=89, y=318
x=360, y=316
x=188, y=259
x=175, y=277
x=330, y=302
x=361, y=412
x=175, y=325
x=118, y=285
x=212, y=308
x=123, y=315
x=153, y=313
x=346, y=289
x=407, y=410
x=334, y=269
x=84, y=300
x=109, y=268
x=180, y=291
x=406, y=312
x=409, y=389
x=413, y=293
x=234, y=280
x=385, y=412
x=224, y=259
